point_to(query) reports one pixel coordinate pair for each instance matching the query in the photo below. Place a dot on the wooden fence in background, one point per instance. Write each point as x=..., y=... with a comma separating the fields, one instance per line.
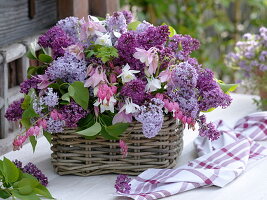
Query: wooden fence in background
x=13, y=62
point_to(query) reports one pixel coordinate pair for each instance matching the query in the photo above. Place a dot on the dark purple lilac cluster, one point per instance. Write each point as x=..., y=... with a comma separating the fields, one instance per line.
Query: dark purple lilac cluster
x=72, y=113
x=14, y=111
x=33, y=170
x=135, y=89
x=207, y=129
x=56, y=39
x=26, y=85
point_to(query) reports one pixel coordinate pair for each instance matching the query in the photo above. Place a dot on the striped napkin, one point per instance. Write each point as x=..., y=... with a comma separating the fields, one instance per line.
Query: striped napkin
x=220, y=161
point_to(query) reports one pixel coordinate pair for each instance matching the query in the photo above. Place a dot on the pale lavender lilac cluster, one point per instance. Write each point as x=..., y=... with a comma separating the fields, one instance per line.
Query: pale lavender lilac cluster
x=250, y=53
x=33, y=170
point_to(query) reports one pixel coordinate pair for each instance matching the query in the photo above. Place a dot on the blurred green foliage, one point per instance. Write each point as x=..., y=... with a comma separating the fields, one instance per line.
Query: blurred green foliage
x=218, y=24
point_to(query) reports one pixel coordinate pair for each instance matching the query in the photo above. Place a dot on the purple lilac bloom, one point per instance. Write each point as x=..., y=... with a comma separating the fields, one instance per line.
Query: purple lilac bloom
x=153, y=36
x=72, y=113
x=32, y=169
x=128, y=16
x=117, y=22
x=151, y=116
x=182, y=88
x=70, y=26
x=211, y=95
x=55, y=126
x=14, y=111
x=67, y=68
x=135, y=89
x=165, y=56
x=26, y=85
x=122, y=184
x=56, y=39
x=183, y=45
x=51, y=98
x=207, y=129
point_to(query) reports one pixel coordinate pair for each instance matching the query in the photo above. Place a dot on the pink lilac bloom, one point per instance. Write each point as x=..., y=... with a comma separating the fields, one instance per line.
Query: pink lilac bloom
x=135, y=89
x=26, y=85
x=122, y=184
x=14, y=111
x=67, y=68
x=72, y=113
x=151, y=117
x=123, y=148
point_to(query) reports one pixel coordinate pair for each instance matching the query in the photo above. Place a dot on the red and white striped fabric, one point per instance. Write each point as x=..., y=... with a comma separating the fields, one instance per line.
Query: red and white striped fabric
x=220, y=163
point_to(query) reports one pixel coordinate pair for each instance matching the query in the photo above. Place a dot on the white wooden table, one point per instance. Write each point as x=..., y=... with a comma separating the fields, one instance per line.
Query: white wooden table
x=250, y=186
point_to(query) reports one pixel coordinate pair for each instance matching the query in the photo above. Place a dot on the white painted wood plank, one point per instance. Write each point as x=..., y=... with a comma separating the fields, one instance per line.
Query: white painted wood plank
x=13, y=52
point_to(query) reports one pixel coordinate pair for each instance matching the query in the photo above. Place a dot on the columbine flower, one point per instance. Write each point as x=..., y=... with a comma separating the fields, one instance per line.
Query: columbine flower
x=76, y=50
x=129, y=106
x=95, y=77
x=105, y=97
x=44, y=81
x=149, y=57
x=153, y=84
x=90, y=28
x=127, y=74
x=124, y=149
x=104, y=40
x=122, y=117
x=165, y=75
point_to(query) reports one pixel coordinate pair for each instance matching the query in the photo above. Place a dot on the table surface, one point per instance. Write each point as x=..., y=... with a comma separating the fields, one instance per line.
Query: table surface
x=252, y=185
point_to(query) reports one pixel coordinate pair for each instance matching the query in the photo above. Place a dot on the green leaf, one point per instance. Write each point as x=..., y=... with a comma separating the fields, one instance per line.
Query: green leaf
x=33, y=142
x=209, y=110
x=25, y=197
x=26, y=117
x=4, y=194
x=79, y=93
x=48, y=136
x=42, y=190
x=117, y=129
x=31, y=71
x=86, y=122
x=106, y=53
x=107, y=119
x=227, y=88
x=26, y=103
x=66, y=97
x=133, y=26
x=31, y=55
x=25, y=189
x=10, y=171
x=91, y=131
x=45, y=58
x=172, y=31
x=105, y=135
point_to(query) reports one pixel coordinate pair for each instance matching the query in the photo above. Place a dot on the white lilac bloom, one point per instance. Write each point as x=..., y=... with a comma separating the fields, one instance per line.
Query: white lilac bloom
x=153, y=84
x=127, y=74
x=129, y=106
x=104, y=40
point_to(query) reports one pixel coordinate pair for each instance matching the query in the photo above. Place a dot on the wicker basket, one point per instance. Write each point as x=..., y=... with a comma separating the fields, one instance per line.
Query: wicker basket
x=73, y=154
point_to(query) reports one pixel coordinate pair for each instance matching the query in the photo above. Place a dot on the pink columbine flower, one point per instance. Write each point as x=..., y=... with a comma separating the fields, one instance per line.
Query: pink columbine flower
x=165, y=75
x=18, y=142
x=42, y=123
x=55, y=115
x=95, y=77
x=44, y=82
x=76, y=50
x=124, y=149
x=160, y=96
x=90, y=28
x=149, y=57
x=33, y=131
x=122, y=117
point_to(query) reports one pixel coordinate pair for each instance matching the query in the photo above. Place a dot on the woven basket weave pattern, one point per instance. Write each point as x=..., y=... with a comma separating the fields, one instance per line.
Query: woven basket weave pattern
x=73, y=154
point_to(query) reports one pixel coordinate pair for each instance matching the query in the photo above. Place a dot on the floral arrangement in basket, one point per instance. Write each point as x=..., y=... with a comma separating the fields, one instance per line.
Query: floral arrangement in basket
x=105, y=73
x=250, y=57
